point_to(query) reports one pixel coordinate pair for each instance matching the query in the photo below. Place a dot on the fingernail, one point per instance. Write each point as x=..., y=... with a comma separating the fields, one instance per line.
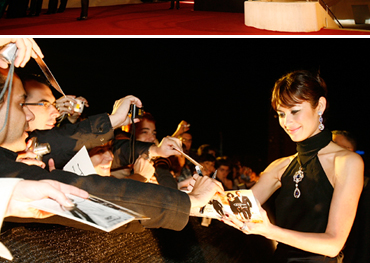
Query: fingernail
x=68, y=203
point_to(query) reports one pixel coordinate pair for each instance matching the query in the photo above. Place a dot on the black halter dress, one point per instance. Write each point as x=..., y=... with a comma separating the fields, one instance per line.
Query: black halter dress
x=304, y=205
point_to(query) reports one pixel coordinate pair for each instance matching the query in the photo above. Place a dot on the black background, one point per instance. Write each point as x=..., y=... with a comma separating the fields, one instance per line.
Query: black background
x=221, y=86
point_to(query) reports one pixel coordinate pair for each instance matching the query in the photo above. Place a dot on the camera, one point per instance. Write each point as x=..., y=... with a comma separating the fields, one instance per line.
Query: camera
x=136, y=112
x=79, y=106
x=40, y=149
x=8, y=53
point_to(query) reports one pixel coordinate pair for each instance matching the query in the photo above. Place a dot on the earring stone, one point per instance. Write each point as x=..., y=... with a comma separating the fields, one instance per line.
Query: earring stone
x=321, y=125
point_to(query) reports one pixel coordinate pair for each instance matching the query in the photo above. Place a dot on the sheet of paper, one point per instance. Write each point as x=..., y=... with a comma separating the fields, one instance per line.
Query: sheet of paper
x=93, y=211
x=80, y=163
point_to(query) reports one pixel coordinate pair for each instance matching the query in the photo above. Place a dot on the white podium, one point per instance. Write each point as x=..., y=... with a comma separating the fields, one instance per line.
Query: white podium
x=287, y=16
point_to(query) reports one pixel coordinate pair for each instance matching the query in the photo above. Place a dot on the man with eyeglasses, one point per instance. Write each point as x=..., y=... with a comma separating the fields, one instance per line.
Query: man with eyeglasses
x=40, y=100
x=43, y=105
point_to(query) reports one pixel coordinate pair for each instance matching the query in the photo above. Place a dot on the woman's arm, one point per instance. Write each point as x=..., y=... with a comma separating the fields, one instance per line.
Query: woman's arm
x=348, y=185
x=269, y=180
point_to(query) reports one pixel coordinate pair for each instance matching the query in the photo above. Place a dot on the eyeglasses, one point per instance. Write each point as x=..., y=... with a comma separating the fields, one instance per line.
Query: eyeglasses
x=46, y=104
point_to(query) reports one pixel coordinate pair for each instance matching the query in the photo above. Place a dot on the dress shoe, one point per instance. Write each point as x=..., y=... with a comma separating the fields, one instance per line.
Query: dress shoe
x=82, y=18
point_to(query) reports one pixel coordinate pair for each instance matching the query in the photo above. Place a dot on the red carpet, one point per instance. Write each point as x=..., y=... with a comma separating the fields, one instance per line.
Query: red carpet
x=144, y=19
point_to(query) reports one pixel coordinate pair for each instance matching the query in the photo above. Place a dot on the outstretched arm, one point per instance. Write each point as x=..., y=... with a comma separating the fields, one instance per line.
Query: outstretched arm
x=348, y=183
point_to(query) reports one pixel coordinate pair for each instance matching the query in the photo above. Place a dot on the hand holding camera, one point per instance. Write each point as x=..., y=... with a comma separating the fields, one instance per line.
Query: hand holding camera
x=20, y=48
x=71, y=106
x=34, y=152
x=120, y=114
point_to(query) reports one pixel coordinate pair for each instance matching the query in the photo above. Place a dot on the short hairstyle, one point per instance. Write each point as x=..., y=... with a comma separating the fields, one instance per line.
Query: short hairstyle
x=349, y=136
x=205, y=148
x=296, y=87
x=223, y=161
x=206, y=158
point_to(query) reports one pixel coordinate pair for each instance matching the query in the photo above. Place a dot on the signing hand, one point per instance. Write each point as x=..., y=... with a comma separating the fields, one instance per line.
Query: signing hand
x=204, y=189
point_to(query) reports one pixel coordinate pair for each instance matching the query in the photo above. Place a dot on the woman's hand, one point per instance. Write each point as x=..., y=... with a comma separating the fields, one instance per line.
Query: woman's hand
x=26, y=191
x=261, y=228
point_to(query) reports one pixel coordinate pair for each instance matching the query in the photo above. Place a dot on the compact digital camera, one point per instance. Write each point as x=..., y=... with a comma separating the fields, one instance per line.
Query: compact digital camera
x=79, y=106
x=40, y=149
x=8, y=53
x=136, y=112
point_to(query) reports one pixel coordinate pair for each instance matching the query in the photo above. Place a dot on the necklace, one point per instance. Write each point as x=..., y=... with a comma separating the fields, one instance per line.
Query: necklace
x=297, y=177
x=307, y=152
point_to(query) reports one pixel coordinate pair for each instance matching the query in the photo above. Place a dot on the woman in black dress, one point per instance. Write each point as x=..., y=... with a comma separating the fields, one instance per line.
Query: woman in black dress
x=319, y=186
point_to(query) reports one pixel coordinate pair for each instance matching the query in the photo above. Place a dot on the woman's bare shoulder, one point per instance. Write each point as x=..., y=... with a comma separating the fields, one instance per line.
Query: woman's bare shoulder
x=282, y=162
x=342, y=154
x=277, y=167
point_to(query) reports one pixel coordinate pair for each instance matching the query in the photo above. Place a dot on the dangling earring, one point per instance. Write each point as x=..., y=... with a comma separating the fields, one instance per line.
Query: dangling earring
x=321, y=125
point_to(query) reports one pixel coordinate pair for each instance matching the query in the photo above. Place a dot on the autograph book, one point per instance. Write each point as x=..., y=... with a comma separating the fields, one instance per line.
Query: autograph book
x=92, y=211
x=241, y=203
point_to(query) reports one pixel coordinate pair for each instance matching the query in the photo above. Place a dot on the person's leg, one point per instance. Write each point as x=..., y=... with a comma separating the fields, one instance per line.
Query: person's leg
x=84, y=9
x=38, y=7
x=62, y=6
x=52, y=7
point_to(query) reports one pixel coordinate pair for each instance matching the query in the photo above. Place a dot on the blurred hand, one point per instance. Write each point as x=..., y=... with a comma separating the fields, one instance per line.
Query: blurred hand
x=166, y=147
x=186, y=185
x=121, y=108
x=26, y=191
x=29, y=158
x=204, y=189
x=183, y=126
x=144, y=167
x=27, y=48
x=51, y=164
x=65, y=105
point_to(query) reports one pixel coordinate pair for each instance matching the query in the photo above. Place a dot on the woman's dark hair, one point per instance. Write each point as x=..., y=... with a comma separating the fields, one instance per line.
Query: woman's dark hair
x=296, y=87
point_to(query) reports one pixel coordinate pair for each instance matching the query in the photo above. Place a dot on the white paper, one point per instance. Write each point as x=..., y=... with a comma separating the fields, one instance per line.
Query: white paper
x=80, y=164
x=93, y=211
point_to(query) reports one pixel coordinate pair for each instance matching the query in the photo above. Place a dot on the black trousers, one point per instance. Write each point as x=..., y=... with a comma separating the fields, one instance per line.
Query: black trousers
x=35, y=7
x=53, y=6
x=84, y=7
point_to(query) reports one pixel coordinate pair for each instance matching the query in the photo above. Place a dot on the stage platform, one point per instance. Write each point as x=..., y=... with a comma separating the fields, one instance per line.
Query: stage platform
x=297, y=16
